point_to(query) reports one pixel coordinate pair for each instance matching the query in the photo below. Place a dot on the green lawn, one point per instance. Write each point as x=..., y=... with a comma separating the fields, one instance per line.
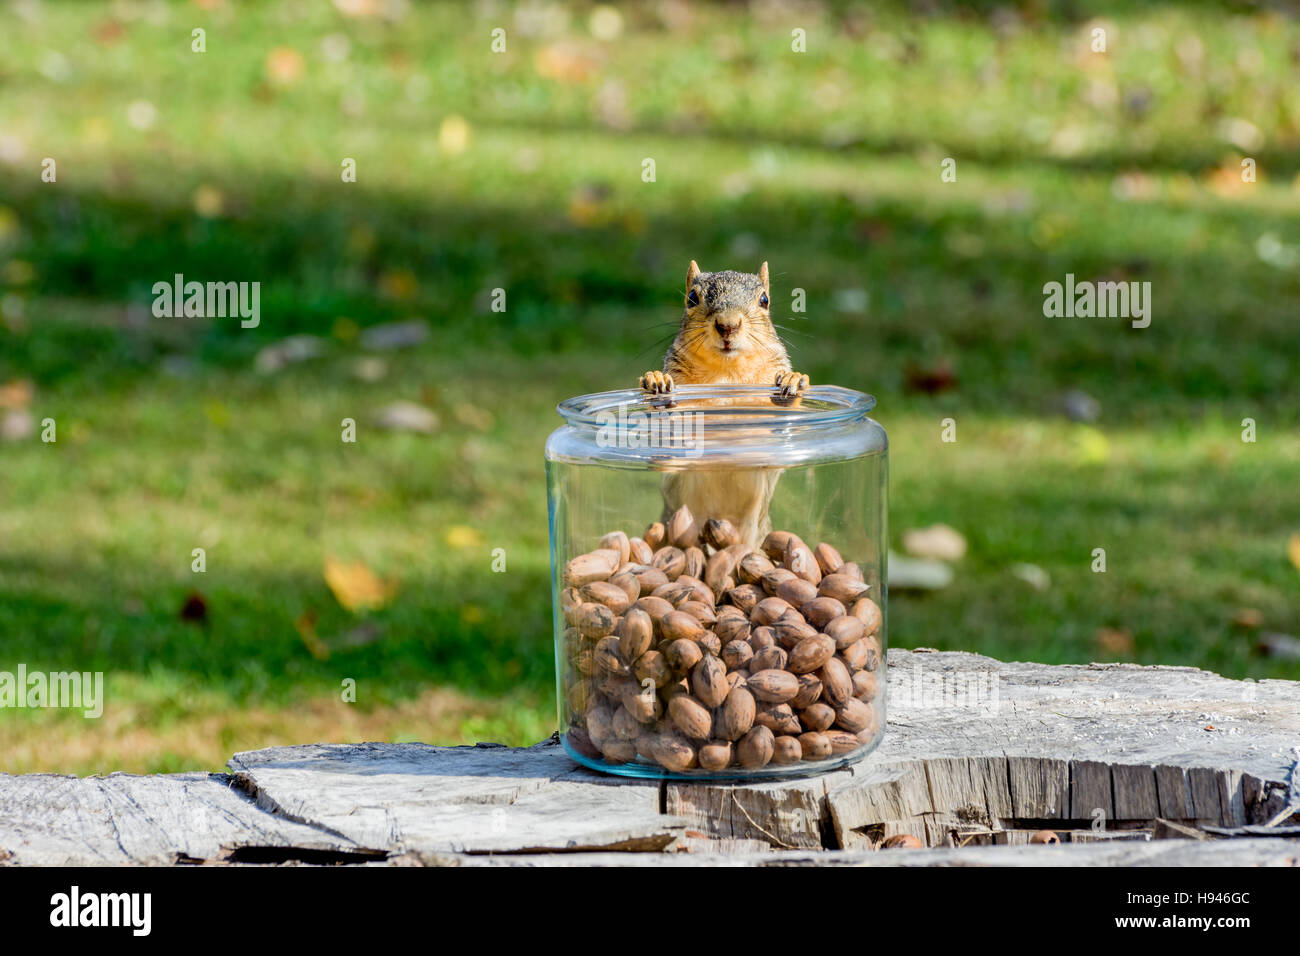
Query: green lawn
x=523, y=171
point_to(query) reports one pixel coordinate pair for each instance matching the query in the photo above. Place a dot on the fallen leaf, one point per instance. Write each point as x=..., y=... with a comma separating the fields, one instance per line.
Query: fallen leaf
x=1090, y=445
x=305, y=625
x=453, y=135
x=463, y=536
x=1079, y=406
x=356, y=587
x=217, y=413
x=590, y=205
x=565, y=63
x=108, y=32
x=407, y=417
x=1273, y=644
x=395, y=335
x=939, y=541
x=16, y=394
x=369, y=369
x=1247, y=617
x=296, y=348
x=937, y=378
x=284, y=66
x=1114, y=640
x=851, y=301
x=1033, y=575
x=345, y=330
x=399, y=284
x=361, y=635
x=195, y=608
x=17, y=424
x=473, y=416
x=918, y=574
x=209, y=202
x=1293, y=550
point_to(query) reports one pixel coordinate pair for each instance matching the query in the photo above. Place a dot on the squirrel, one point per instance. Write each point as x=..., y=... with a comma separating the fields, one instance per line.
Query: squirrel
x=726, y=337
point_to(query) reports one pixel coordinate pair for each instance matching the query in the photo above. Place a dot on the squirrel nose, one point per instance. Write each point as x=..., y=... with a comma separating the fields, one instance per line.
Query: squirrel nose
x=727, y=329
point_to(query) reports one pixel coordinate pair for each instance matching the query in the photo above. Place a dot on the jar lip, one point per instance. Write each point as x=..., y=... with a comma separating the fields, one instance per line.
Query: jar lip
x=820, y=406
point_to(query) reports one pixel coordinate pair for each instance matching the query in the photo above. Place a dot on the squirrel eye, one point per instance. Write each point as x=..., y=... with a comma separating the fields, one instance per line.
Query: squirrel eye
x=762, y=300
x=693, y=299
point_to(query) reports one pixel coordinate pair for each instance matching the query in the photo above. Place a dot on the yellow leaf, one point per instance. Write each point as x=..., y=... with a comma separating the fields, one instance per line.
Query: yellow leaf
x=1091, y=447
x=209, y=201
x=1293, y=550
x=399, y=284
x=16, y=394
x=463, y=536
x=284, y=66
x=305, y=625
x=355, y=586
x=453, y=135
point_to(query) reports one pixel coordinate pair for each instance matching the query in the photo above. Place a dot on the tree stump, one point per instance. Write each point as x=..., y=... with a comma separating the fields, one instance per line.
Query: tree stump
x=1126, y=764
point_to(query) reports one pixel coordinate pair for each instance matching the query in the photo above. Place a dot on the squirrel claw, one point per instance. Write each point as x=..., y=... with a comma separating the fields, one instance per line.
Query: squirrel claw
x=790, y=385
x=657, y=383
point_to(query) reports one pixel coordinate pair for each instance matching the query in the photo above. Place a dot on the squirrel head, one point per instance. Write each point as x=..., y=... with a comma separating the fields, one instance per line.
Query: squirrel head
x=727, y=312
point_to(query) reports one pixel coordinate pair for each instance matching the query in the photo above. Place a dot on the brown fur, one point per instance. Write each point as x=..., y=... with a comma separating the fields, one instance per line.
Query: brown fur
x=727, y=337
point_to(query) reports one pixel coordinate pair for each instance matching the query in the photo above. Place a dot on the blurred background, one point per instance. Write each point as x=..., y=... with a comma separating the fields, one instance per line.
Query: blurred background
x=522, y=170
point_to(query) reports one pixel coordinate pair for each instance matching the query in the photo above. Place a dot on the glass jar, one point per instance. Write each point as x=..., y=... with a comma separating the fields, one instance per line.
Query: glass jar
x=718, y=565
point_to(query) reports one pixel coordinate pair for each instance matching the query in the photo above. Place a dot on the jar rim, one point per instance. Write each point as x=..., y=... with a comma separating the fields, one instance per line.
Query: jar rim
x=820, y=406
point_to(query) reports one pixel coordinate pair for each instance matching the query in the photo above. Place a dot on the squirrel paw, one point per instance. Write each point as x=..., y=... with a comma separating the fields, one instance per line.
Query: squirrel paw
x=790, y=385
x=657, y=383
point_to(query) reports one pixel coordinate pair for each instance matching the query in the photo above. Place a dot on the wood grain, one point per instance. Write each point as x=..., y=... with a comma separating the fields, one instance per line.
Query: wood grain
x=1106, y=755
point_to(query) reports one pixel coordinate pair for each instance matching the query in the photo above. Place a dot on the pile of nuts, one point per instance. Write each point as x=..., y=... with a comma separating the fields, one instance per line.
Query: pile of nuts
x=694, y=651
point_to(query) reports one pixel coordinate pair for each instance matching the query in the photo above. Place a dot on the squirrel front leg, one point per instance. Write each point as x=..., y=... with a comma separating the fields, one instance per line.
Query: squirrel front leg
x=657, y=383
x=789, y=385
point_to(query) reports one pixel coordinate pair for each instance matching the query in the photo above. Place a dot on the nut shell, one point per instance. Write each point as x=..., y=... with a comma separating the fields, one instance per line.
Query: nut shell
x=811, y=653
x=818, y=716
x=756, y=748
x=837, y=684
x=635, y=634
x=828, y=559
x=787, y=750
x=842, y=587
x=680, y=530
x=737, y=713
x=709, y=682
x=690, y=717
x=815, y=745
x=776, y=686
x=716, y=755
x=719, y=533
x=821, y=611
x=596, y=565
x=683, y=654
x=672, y=752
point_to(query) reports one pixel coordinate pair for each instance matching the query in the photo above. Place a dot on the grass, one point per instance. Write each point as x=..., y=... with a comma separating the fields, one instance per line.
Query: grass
x=523, y=171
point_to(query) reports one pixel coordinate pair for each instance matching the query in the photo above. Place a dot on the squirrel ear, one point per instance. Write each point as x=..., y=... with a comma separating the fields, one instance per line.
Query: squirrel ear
x=762, y=274
x=692, y=273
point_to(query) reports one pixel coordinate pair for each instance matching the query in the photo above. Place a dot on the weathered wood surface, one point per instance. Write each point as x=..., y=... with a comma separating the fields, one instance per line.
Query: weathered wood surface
x=48, y=819
x=482, y=799
x=978, y=755
x=1245, y=852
